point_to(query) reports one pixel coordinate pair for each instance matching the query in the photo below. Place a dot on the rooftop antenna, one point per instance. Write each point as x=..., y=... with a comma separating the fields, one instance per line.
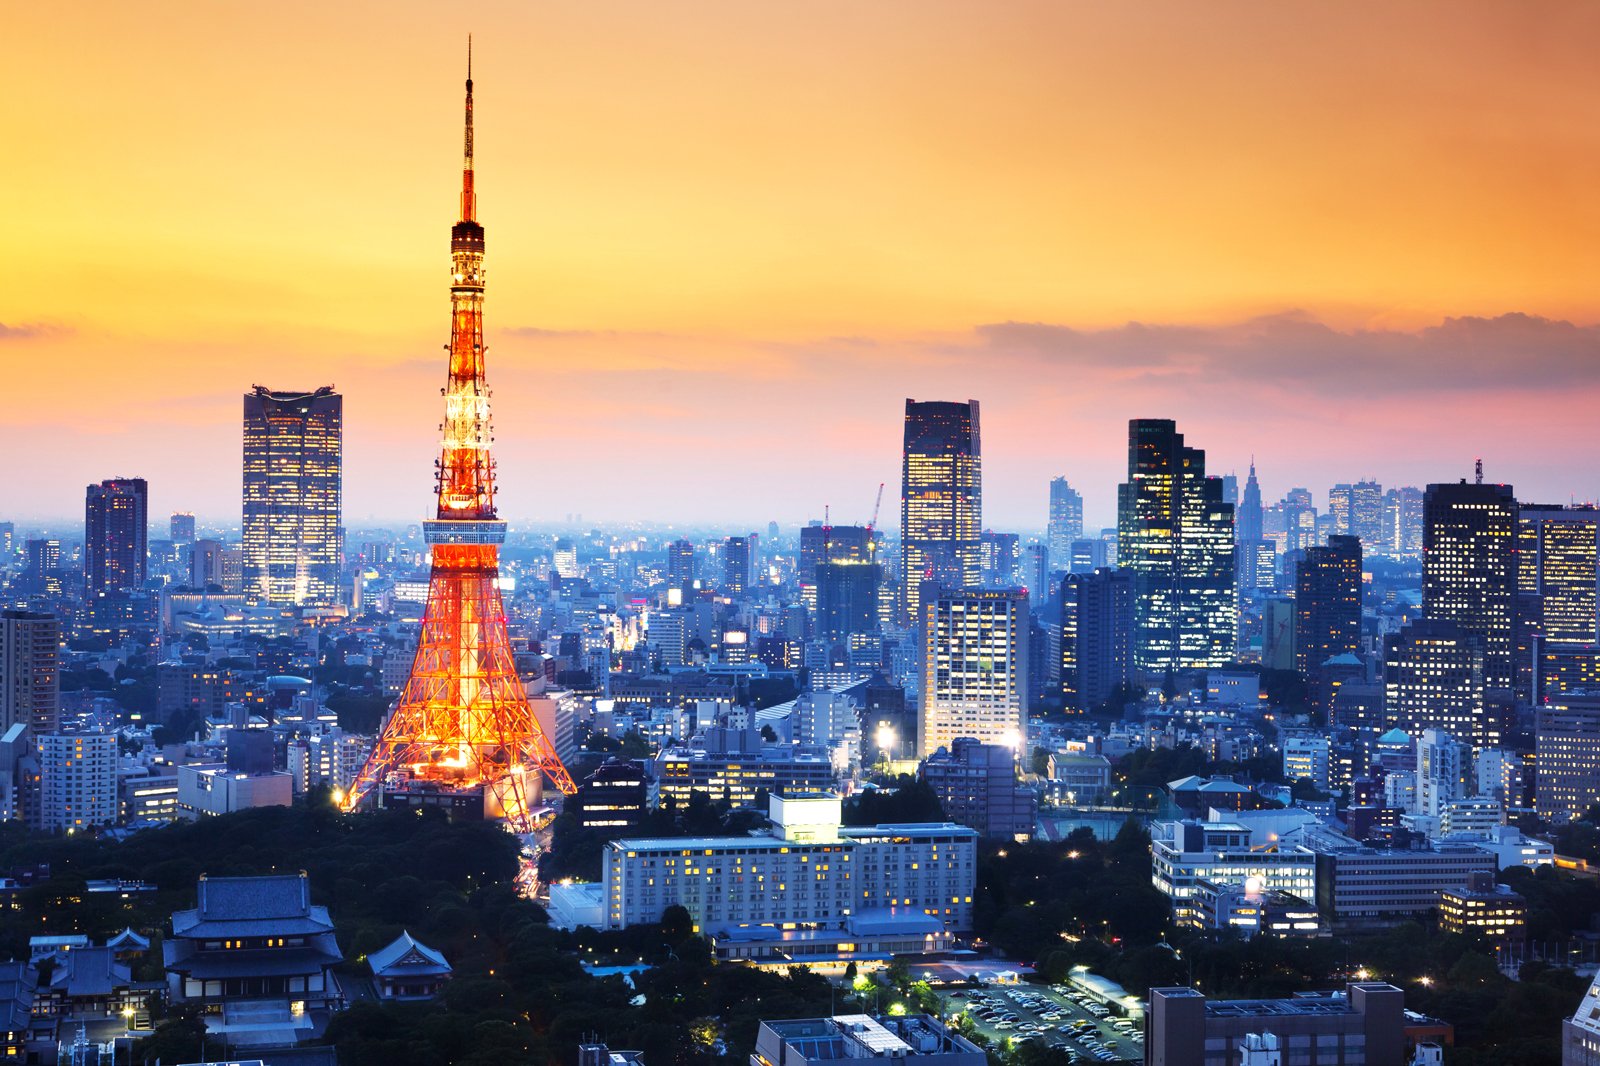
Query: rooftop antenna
x=1478, y=470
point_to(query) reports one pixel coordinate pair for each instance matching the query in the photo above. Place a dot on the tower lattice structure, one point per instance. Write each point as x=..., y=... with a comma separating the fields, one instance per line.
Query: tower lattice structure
x=463, y=718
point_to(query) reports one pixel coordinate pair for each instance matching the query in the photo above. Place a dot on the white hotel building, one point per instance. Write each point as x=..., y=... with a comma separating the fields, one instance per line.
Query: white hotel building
x=1182, y=853
x=808, y=871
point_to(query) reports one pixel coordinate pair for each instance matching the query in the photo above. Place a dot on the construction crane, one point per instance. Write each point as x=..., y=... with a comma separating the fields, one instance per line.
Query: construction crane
x=876, y=507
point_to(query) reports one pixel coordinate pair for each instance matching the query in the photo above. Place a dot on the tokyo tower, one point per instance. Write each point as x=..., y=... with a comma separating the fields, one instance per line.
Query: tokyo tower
x=463, y=723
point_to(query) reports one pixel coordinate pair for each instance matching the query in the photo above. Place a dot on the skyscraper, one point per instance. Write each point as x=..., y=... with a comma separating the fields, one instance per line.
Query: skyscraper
x=30, y=677
x=463, y=720
x=975, y=667
x=1357, y=511
x=682, y=565
x=1469, y=574
x=1299, y=519
x=293, y=483
x=1175, y=535
x=847, y=598
x=115, y=535
x=941, y=504
x=1249, y=547
x=1248, y=520
x=1066, y=522
x=736, y=564
x=1567, y=758
x=180, y=527
x=1402, y=520
x=1327, y=605
x=1558, y=559
x=1096, y=637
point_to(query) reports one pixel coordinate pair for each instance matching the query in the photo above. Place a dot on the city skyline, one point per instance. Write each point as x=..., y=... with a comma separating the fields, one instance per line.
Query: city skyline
x=1225, y=245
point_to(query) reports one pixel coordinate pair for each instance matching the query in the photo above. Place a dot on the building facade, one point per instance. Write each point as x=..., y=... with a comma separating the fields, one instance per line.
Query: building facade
x=977, y=786
x=1096, y=637
x=1066, y=523
x=30, y=673
x=1567, y=757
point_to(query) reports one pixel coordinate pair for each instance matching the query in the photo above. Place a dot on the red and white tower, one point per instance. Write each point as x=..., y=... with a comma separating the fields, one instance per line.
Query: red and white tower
x=463, y=720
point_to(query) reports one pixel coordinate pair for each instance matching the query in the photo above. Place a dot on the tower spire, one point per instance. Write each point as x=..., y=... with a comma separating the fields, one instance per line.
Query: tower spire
x=469, y=200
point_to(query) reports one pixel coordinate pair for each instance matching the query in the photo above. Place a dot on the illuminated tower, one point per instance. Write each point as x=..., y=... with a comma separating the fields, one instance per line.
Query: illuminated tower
x=463, y=720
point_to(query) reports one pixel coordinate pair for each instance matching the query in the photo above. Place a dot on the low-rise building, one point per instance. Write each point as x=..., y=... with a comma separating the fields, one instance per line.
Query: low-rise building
x=1365, y=1023
x=1365, y=885
x=1184, y=853
x=915, y=1040
x=1079, y=779
x=1483, y=906
x=407, y=969
x=212, y=789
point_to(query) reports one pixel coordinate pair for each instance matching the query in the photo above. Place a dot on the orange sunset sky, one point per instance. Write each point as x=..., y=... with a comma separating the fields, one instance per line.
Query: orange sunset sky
x=727, y=240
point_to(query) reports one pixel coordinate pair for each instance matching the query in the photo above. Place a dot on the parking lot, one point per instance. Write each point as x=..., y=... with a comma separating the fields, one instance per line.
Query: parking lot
x=1055, y=1015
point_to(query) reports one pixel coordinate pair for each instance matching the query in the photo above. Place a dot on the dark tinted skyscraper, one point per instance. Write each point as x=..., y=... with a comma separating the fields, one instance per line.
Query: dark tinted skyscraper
x=1469, y=572
x=1096, y=637
x=941, y=509
x=1327, y=604
x=293, y=485
x=181, y=527
x=115, y=535
x=1176, y=536
x=847, y=598
x=736, y=562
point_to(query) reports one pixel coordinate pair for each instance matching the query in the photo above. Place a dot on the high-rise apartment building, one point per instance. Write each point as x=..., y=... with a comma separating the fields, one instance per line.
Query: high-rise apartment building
x=1469, y=573
x=115, y=535
x=30, y=677
x=1096, y=637
x=293, y=485
x=1066, y=522
x=941, y=504
x=975, y=667
x=1175, y=535
x=1327, y=604
x=682, y=565
x=77, y=781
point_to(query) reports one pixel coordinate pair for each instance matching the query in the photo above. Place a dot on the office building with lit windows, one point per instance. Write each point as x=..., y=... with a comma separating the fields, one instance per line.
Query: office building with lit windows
x=941, y=505
x=975, y=667
x=1494, y=911
x=1567, y=756
x=1434, y=679
x=808, y=872
x=734, y=765
x=116, y=530
x=1066, y=523
x=1558, y=560
x=1469, y=570
x=1175, y=536
x=293, y=485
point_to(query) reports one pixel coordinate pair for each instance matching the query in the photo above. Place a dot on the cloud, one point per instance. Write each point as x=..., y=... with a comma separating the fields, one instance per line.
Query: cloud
x=1293, y=351
x=27, y=330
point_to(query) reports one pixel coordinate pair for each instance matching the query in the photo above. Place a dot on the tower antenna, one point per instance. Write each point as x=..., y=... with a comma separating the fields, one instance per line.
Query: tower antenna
x=1477, y=467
